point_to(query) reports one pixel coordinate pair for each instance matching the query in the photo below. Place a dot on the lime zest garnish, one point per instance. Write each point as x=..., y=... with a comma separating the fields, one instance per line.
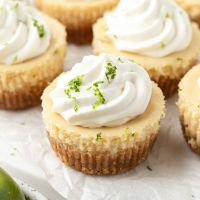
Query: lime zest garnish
x=98, y=136
x=110, y=71
x=40, y=28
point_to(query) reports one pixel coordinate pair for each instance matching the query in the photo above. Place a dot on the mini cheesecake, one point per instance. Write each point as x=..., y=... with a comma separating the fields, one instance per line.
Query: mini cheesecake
x=32, y=53
x=189, y=107
x=164, y=41
x=77, y=15
x=103, y=116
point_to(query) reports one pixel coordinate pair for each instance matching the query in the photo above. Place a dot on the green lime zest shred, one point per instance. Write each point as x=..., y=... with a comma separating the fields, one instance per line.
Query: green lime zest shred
x=98, y=136
x=100, y=98
x=76, y=106
x=110, y=71
x=40, y=28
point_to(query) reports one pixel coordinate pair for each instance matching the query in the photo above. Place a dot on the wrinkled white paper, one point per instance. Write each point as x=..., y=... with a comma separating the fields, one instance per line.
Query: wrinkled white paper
x=175, y=168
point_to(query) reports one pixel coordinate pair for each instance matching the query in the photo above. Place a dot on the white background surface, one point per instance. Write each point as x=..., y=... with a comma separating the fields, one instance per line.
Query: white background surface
x=25, y=152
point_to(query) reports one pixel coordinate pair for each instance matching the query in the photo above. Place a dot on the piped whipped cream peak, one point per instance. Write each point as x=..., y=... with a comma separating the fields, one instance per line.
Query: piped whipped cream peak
x=102, y=91
x=23, y=32
x=154, y=28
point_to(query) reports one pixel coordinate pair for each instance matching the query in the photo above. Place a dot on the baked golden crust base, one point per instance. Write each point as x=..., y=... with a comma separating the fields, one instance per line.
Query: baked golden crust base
x=192, y=7
x=166, y=71
x=103, y=163
x=21, y=85
x=29, y=96
x=77, y=16
x=117, y=151
x=168, y=85
x=189, y=136
x=189, y=108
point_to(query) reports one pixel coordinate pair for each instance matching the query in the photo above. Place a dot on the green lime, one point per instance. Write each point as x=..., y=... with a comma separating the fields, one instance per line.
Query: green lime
x=9, y=190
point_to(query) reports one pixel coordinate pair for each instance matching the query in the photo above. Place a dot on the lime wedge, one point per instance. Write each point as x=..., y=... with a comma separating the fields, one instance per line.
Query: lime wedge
x=9, y=190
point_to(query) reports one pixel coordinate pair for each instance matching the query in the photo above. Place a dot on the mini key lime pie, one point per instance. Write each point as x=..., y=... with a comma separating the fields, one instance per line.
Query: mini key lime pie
x=77, y=15
x=103, y=116
x=32, y=51
x=189, y=107
x=156, y=34
x=192, y=7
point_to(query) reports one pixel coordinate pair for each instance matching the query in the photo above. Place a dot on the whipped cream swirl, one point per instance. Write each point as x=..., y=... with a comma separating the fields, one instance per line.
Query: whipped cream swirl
x=23, y=32
x=154, y=28
x=102, y=91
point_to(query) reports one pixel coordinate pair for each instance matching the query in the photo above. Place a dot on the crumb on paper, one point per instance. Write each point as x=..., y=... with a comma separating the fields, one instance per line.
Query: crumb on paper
x=149, y=168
